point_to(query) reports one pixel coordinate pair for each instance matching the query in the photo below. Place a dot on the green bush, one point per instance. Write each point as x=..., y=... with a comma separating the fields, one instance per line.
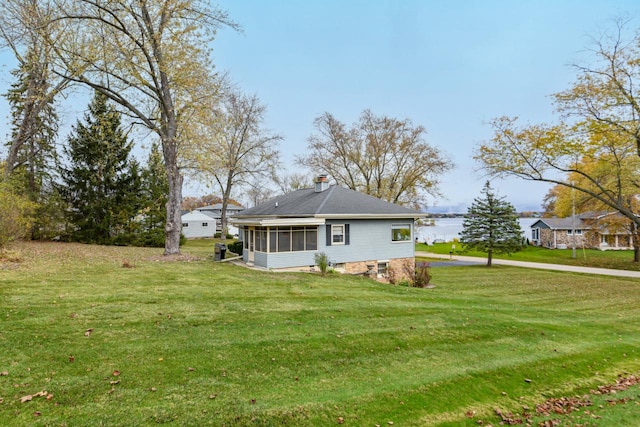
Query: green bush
x=322, y=261
x=417, y=274
x=16, y=215
x=235, y=247
x=219, y=235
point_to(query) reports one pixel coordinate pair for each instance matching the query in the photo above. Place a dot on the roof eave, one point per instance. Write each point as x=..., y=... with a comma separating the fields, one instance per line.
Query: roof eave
x=374, y=216
x=275, y=221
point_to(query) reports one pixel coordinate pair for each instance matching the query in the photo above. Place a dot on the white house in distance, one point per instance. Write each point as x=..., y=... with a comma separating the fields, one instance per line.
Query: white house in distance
x=205, y=222
x=196, y=224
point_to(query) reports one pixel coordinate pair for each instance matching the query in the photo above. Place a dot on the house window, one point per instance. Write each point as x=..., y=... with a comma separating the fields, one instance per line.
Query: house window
x=261, y=240
x=400, y=232
x=185, y=225
x=535, y=234
x=337, y=234
x=284, y=240
x=292, y=239
x=577, y=232
x=297, y=239
x=311, y=238
x=246, y=238
x=383, y=266
x=205, y=224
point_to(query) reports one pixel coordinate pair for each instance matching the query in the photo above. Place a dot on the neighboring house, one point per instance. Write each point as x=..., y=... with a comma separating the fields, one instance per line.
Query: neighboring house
x=215, y=211
x=594, y=230
x=196, y=224
x=204, y=222
x=354, y=230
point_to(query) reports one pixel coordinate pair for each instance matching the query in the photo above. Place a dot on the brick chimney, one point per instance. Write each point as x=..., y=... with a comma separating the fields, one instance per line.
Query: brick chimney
x=321, y=183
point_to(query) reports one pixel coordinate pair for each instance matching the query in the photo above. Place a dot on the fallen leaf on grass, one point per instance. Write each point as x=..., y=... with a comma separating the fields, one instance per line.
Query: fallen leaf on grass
x=4, y=374
x=116, y=373
x=30, y=397
x=88, y=332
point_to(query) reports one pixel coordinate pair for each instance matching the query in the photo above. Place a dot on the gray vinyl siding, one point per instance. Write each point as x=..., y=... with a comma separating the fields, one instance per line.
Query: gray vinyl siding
x=289, y=259
x=196, y=230
x=368, y=240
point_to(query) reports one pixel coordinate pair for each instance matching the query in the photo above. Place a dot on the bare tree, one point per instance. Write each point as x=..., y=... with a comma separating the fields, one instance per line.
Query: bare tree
x=292, y=182
x=380, y=156
x=151, y=58
x=594, y=148
x=236, y=150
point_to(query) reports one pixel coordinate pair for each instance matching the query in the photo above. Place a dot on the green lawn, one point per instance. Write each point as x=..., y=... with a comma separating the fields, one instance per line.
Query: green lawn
x=621, y=260
x=193, y=342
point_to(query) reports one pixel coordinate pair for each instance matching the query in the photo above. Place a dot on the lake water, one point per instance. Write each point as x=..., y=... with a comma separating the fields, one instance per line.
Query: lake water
x=447, y=229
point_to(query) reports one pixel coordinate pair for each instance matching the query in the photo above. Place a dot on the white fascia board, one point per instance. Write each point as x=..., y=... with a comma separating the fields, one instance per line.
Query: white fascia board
x=375, y=216
x=273, y=222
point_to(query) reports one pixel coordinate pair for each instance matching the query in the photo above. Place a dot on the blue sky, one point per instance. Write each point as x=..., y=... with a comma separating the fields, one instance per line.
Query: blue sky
x=450, y=66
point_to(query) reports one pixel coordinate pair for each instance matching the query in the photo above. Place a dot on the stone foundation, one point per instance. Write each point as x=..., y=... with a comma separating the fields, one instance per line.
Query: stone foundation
x=397, y=264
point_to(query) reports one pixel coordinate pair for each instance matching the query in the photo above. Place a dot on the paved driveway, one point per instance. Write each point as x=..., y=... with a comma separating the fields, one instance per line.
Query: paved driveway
x=444, y=260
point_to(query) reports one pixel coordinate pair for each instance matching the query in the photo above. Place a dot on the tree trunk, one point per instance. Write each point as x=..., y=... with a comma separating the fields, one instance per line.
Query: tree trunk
x=489, y=257
x=173, y=226
x=225, y=203
x=635, y=235
x=169, y=132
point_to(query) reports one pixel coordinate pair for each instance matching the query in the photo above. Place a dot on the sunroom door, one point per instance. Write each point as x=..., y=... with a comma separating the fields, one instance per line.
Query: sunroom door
x=252, y=243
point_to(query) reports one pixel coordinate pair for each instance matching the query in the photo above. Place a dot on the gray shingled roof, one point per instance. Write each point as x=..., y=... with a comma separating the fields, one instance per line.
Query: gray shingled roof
x=333, y=201
x=568, y=224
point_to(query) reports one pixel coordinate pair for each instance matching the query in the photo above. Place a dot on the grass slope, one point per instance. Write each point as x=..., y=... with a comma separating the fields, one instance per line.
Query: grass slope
x=621, y=260
x=201, y=343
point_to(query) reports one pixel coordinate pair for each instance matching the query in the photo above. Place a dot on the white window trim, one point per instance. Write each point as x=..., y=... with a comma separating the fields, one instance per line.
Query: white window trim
x=402, y=225
x=333, y=233
x=387, y=266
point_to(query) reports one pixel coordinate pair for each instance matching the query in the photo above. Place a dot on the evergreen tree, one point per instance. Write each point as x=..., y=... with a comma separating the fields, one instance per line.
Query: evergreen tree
x=491, y=225
x=155, y=188
x=31, y=155
x=102, y=185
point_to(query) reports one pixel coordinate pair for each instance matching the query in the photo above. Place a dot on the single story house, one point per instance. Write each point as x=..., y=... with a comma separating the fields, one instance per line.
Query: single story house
x=196, y=224
x=205, y=222
x=356, y=231
x=594, y=230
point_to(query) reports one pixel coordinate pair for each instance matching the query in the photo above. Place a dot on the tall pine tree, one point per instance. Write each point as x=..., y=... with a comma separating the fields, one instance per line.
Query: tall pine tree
x=31, y=158
x=491, y=225
x=102, y=184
